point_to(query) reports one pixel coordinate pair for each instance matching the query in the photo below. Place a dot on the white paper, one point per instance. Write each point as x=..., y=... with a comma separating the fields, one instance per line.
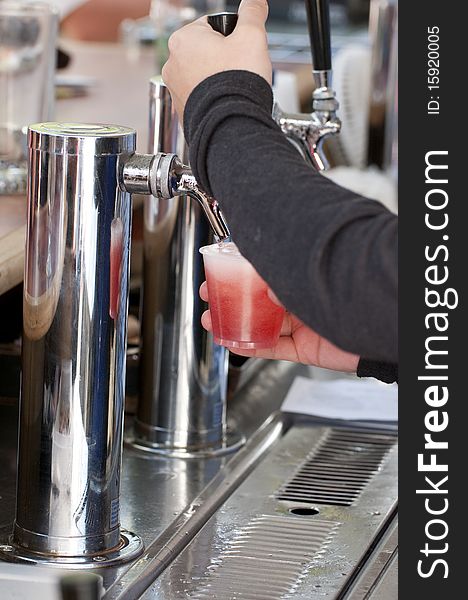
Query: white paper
x=350, y=399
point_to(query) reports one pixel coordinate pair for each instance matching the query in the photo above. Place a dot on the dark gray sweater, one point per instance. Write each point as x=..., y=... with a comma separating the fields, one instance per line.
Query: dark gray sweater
x=328, y=254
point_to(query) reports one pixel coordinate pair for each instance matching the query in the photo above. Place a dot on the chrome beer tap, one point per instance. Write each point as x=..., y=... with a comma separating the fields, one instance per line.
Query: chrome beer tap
x=307, y=132
x=165, y=176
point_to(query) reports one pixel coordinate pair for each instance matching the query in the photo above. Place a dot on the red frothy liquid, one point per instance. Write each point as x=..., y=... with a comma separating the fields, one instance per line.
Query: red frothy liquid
x=242, y=313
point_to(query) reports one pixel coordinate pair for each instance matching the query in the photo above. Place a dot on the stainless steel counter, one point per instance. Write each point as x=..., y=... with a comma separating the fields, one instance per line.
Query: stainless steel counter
x=188, y=523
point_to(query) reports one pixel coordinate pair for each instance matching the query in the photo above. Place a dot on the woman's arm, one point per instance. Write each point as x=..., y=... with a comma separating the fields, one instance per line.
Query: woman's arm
x=328, y=254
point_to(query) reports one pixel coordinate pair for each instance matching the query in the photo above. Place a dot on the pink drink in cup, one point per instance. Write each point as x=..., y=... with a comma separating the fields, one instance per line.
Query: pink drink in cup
x=242, y=313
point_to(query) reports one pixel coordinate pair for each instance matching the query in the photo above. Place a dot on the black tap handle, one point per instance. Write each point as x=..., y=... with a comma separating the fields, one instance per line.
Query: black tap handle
x=318, y=18
x=224, y=23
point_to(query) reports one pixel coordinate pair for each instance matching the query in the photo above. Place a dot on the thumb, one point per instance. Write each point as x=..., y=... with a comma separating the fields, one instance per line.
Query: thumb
x=252, y=12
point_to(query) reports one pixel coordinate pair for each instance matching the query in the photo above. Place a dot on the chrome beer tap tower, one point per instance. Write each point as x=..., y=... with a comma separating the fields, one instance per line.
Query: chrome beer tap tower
x=183, y=373
x=75, y=306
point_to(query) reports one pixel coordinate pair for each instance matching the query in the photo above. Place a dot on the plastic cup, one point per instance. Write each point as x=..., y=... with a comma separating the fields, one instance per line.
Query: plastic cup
x=242, y=313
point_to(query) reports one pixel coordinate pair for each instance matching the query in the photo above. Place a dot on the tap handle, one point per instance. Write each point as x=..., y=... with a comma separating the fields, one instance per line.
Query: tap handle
x=224, y=23
x=318, y=18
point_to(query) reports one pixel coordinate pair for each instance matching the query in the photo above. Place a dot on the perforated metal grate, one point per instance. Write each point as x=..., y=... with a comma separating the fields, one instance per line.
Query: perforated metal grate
x=266, y=559
x=339, y=468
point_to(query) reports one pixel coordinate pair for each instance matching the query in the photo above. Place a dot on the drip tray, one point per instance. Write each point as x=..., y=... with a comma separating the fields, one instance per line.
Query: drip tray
x=298, y=513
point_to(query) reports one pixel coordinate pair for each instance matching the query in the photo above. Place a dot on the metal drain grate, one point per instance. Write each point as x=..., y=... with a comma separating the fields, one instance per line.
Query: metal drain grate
x=339, y=468
x=266, y=559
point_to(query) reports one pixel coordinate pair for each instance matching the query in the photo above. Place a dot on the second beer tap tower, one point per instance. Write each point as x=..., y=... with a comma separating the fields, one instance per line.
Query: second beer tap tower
x=183, y=373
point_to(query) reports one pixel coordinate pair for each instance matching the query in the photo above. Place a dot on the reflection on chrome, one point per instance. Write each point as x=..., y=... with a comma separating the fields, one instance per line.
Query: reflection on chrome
x=75, y=318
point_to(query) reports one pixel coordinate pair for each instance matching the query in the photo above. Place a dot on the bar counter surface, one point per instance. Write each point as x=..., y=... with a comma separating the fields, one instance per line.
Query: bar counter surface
x=255, y=524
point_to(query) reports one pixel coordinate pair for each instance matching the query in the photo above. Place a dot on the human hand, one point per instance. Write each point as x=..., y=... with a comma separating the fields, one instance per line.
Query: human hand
x=196, y=51
x=297, y=343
